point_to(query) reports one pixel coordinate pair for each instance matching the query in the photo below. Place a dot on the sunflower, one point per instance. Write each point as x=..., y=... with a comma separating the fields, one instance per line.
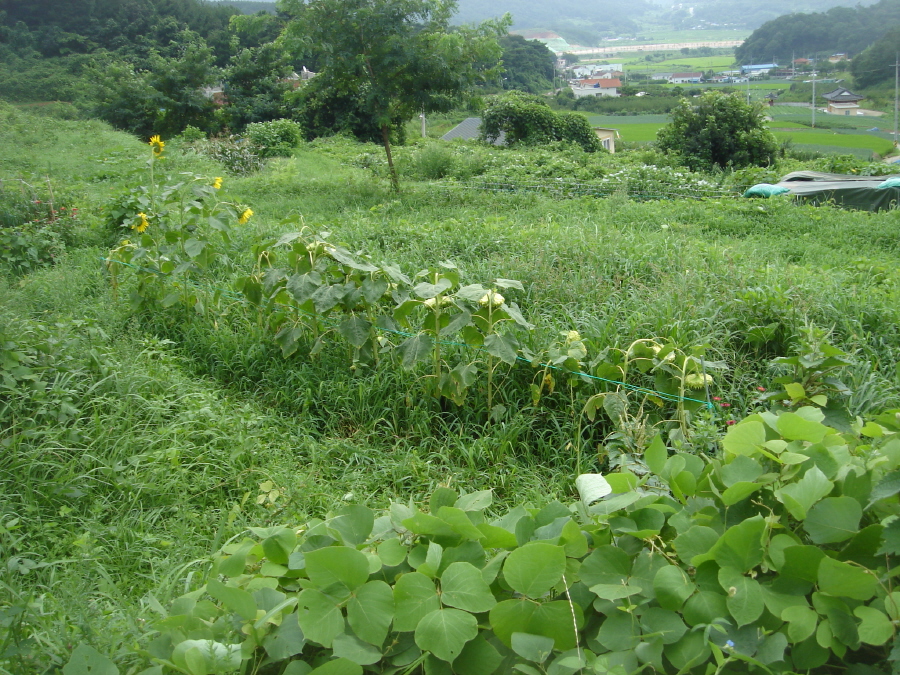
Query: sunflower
x=245, y=216
x=143, y=225
x=157, y=144
x=217, y=183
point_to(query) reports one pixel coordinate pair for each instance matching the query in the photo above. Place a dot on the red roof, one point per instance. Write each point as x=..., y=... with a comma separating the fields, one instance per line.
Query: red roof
x=604, y=83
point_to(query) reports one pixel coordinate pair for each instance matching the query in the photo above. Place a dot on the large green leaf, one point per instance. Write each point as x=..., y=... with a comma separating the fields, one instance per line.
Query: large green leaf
x=501, y=346
x=319, y=616
x=876, y=628
x=415, y=349
x=745, y=438
x=459, y=522
x=887, y=487
x=697, y=540
x=840, y=579
x=478, y=657
x=620, y=632
x=237, y=600
x=534, y=569
x=370, y=611
x=444, y=632
x=427, y=291
x=802, y=622
x=796, y=428
x=337, y=565
x=414, y=597
x=672, y=587
x=663, y=623
x=550, y=619
x=463, y=587
x=355, y=330
x=530, y=647
x=743, y=596
x=86, y=660
x=704, y=607
x=606, y=565
x=354, y=522
x=339, y=666
x=833, y=520
x=353, y=649
x=287, y=641
x=799, y=497
x=741, y=546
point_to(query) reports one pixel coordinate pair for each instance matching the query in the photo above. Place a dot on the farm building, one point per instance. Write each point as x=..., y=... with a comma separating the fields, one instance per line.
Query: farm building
x=842, y=101
x=599, y=86
x=686, y=78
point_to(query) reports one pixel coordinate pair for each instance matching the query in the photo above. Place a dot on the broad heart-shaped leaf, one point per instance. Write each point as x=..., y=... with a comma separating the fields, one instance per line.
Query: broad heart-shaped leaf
x=478, y=657
x=799, y=497
x=667, y=625
x=887, y=487
x=414, y=597
x=355, y=330
x=741, y=545
x=744, y=597
x=620, y=632
x=463, y=587
x=672, y=587
x=876, y=628
x=501, y=346
x=427, y=291
x=353, y=649
x=535, y=568
x=339, y=666
x=890, y=539
x=286, y=641
x=698, y=540
x=704, y=607
x=592, y=487
x=606, y=565
x=745, y=438
x=326, y=297
x=530, y=647
x=354, y=523
x=237, y=600
x=802, y=622
x=550, y=619
x=415, y=349
x=475, y=501
x=796, y=428
x=370, y=611
x=319, y=617
x=833, y=520
x=337, y=564
x=840, y=579
x=444, y=632
x=86, y=660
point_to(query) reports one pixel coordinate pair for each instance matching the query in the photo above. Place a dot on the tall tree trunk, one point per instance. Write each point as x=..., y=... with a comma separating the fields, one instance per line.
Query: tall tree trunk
x=386, y=137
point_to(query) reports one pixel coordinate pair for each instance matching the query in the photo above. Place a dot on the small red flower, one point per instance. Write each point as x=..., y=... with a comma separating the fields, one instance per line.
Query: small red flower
x=717, y=398
x=725, y=405
x=730, y=422
x=760, y=389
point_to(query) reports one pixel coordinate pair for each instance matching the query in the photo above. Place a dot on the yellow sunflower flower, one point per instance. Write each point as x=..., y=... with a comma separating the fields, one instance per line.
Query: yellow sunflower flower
x=217, y=183
x=157, y=144
x=245, y=216
x=143, y=225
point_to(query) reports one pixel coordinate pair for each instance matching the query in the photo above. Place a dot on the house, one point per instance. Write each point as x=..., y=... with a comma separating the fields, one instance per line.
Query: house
x=842, y=101
x=216, y=94
x=469, y=130
x=607, y=138
x=837, y=58
x=686, y=78
x=599, y=86
x=802, y=62
x=661, y=76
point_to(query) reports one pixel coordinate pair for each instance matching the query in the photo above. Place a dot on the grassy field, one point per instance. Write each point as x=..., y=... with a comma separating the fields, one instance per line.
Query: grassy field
x=814, y=137
x=146, y=439
x=683, y=64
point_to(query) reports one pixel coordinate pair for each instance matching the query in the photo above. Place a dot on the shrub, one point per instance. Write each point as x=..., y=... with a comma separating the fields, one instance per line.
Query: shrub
x=277, y=138
x=236, y=155
x=718, y=130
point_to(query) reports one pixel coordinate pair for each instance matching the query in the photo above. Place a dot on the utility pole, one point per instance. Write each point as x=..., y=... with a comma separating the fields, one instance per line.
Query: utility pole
x=422, y=116
x=814, y=101
x=896, y=82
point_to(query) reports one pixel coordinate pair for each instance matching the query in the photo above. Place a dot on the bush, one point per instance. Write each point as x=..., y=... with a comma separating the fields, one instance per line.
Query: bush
x=238, y=156
x=33, y=232
x=277, y=138
x=718, y=131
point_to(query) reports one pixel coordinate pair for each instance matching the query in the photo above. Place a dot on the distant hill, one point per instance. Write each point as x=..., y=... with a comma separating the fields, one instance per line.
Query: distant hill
x=846, y=30
x=743, y=14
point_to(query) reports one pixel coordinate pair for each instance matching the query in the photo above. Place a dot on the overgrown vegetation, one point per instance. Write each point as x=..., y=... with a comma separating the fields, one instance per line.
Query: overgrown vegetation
x=263, y=374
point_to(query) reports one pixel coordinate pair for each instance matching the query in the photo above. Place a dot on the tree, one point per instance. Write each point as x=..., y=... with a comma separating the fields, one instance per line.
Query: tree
x=718, y=130
x=526, y=119
x=401, y=57
x=255, y=85
x=528, y=64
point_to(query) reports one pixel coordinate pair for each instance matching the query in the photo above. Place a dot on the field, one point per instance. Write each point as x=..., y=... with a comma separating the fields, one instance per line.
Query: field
x=150, y=418
x=682, y=64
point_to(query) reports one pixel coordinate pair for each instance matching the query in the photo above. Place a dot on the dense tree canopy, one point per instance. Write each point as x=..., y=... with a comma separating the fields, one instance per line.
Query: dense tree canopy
x=527, y=119
x=528, y=64
x=396, y=58
x=841, y=29
x=876, y=64
x=717, y=131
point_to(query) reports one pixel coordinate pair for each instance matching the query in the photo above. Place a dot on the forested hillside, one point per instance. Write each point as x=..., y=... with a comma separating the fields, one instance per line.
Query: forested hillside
x=841, y=29
x=750, y=14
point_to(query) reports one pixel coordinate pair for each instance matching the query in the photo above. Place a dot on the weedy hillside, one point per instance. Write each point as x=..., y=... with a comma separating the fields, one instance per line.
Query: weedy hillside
x=218, y=371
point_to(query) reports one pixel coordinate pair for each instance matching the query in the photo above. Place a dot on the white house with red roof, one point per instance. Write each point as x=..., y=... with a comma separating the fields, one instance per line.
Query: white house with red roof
x=596, y=86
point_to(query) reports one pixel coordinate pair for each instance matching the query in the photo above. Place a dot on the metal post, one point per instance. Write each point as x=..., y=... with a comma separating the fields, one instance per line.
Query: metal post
x=424, y=134
x=814, y=101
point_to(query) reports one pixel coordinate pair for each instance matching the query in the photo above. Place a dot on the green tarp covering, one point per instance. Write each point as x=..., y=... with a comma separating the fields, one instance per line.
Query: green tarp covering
x=853, y=192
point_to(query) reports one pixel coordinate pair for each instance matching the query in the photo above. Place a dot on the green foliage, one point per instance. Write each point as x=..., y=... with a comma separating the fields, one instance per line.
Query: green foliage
x=875, y=64
x=733, y=561
x=527, y=64
x=33, y=232
x=400, y=54
x=528, y=120
x=255, y=84
x=277, y=138
x=234, y=153
x=717, y=131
